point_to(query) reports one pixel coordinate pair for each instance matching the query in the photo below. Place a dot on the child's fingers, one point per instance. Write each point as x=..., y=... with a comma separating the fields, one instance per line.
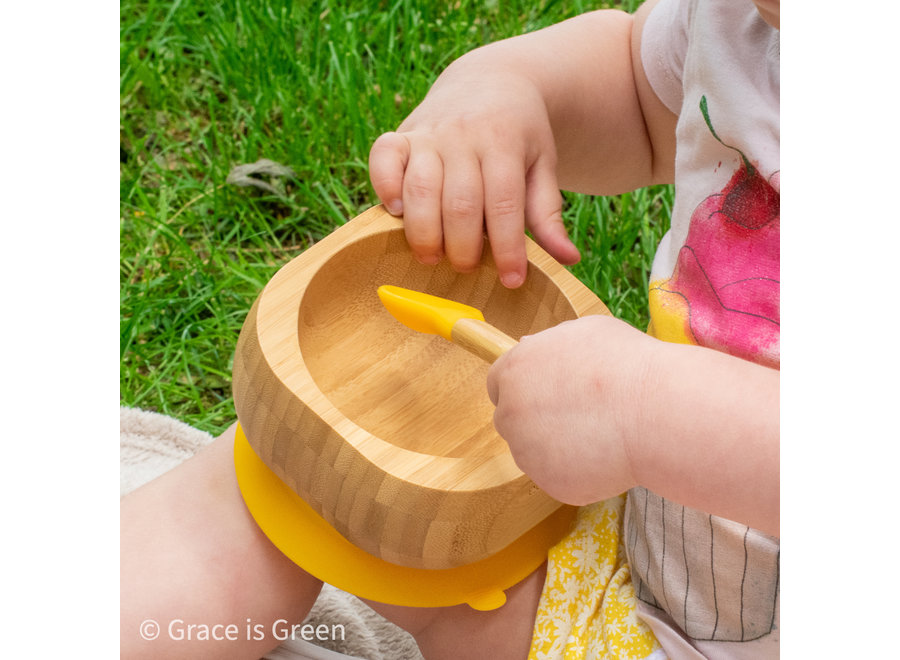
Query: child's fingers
x=463, y=210
x=422, y=186
x=543, y=213
x=504, y=213
x=388, y=158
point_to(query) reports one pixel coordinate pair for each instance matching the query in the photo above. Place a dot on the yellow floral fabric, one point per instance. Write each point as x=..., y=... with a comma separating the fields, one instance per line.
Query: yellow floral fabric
x=587, y=607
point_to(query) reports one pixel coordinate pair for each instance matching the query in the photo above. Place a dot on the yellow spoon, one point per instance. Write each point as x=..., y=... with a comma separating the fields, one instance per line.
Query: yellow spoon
x=462, y=324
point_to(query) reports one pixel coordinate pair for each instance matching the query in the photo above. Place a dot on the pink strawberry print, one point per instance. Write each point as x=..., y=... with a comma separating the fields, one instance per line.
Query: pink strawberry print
x=728, y=271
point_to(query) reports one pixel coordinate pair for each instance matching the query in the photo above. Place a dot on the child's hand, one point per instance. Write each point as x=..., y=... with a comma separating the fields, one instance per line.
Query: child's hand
x=477, y=152
x=568, y=401
x=505, y=126
x=593, y=407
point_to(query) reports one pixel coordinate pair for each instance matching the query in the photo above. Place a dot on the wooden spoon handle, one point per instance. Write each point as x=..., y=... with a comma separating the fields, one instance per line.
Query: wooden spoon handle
x=481, y=339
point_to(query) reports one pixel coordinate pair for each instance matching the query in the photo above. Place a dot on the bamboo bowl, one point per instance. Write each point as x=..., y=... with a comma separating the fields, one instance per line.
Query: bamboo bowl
x=387, y=433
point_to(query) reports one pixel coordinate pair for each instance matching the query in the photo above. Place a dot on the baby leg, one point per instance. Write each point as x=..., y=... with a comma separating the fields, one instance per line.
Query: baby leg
x=197, y=575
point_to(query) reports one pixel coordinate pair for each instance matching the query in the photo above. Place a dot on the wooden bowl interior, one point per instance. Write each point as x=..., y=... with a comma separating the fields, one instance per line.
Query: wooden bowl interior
x=415, y=391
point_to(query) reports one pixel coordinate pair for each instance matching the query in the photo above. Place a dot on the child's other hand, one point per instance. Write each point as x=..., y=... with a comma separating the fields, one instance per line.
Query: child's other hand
x=477, y=153
x=568, y=401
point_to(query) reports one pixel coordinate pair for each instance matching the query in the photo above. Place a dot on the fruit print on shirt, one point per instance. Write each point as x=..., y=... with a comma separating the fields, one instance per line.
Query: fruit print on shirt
x=725, y=290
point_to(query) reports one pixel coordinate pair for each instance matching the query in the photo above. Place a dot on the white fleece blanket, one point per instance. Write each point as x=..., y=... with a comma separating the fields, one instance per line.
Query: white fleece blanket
x=151, y=443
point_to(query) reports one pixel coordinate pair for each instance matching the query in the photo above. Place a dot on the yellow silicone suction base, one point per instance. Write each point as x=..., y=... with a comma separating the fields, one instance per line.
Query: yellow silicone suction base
x=314, y=545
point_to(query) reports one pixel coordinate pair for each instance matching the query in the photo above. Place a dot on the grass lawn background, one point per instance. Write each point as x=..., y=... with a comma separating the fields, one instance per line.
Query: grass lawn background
x=206, y=86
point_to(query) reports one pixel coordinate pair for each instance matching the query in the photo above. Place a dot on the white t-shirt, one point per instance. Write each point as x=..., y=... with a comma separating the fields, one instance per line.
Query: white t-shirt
x=709, y=587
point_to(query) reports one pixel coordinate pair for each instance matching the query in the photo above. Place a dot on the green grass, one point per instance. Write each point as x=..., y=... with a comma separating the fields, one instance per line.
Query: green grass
x=209, y=85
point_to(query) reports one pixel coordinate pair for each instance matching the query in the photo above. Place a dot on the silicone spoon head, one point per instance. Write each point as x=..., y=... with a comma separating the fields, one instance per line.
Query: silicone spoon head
x=425, y=313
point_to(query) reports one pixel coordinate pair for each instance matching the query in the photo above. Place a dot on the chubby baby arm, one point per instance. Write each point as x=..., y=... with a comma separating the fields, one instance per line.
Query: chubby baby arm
x=711, y=438
x=507, y=125
x=593, y=407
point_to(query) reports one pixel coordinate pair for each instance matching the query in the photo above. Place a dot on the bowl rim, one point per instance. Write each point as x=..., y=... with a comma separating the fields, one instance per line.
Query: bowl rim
x=279, y=342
